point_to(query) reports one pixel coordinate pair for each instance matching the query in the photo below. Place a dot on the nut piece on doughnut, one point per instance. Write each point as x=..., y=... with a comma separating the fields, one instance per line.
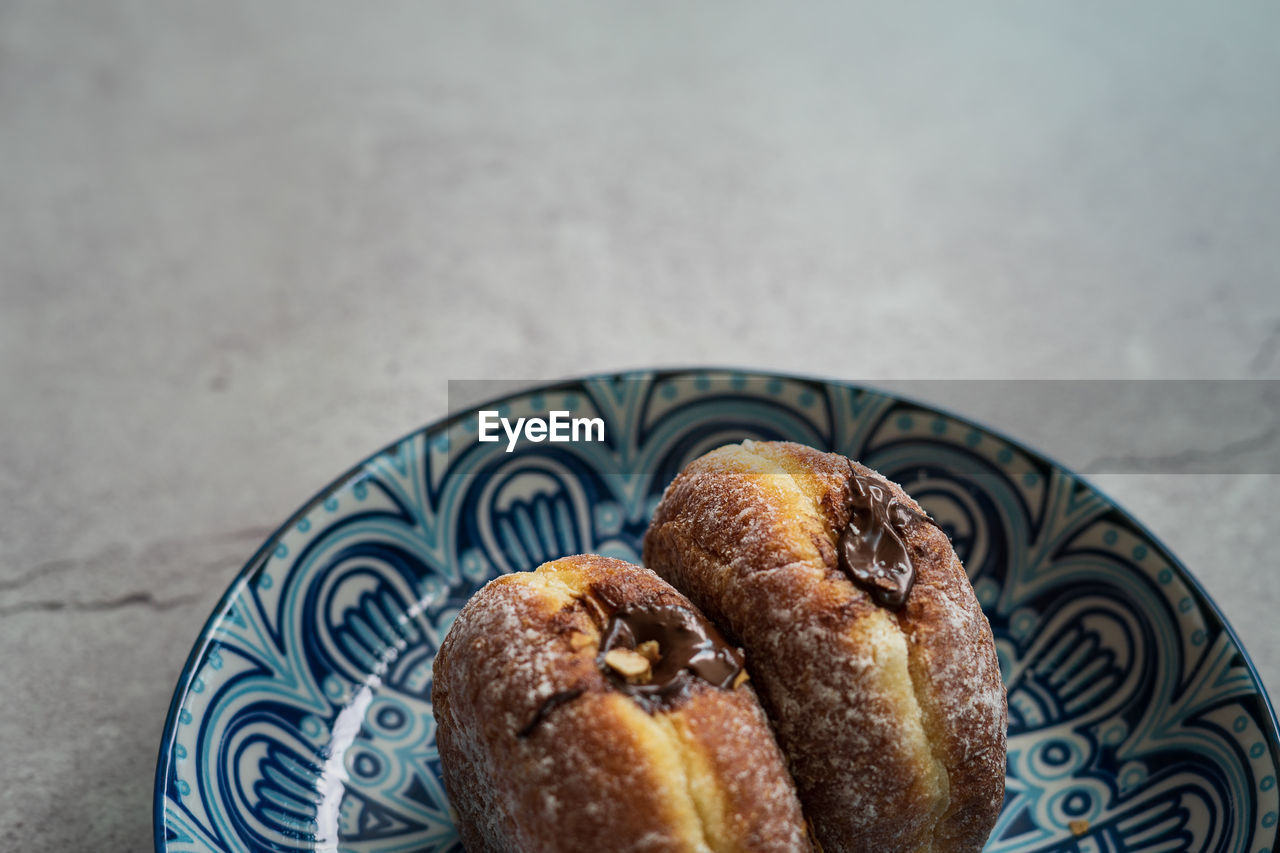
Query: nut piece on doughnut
x=587, y=706
x=885, y=696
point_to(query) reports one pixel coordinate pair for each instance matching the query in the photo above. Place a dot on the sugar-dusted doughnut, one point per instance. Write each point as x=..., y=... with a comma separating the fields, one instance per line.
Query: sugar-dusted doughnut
x=862, y=635
x=587, y=706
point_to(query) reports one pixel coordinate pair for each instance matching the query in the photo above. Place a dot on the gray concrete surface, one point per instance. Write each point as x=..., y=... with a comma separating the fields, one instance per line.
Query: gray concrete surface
x=243, y=244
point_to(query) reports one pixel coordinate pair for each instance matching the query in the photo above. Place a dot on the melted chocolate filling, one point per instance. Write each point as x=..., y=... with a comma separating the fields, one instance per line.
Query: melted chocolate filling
x=688, y=646
x=873, y=551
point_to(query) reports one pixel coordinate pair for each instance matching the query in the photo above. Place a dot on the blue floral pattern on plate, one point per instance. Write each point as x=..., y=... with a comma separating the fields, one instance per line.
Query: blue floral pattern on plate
x=302, y=720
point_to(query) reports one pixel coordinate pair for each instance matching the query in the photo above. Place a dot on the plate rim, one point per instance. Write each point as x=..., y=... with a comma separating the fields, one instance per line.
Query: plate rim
x=242, y=576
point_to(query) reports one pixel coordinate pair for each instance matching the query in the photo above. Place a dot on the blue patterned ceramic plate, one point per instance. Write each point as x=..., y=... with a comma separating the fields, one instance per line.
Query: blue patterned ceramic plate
x=303, y=717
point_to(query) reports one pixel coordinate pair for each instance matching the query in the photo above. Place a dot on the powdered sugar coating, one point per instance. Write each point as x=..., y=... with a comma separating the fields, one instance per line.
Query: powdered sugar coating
x=599, y=772
x=893, y=721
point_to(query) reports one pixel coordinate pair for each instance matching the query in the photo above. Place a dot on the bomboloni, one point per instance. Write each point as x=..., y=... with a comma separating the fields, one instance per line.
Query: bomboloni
x=862, y=635
x=588, y=706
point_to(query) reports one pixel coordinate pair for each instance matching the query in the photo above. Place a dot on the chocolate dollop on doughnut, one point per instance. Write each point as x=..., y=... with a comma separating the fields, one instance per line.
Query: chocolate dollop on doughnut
x=873, y=549
x=684, y=646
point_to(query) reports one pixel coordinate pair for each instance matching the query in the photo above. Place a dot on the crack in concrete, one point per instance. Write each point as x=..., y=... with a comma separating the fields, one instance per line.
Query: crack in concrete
x=1266, y=351
x=133, y=599
x=113, y=557
x=52, y=567
x=1185, y=461
x=144, y=553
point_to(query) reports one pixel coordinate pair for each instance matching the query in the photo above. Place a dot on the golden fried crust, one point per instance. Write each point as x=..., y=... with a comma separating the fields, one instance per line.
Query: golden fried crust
x=597, y=772
x=893, y=722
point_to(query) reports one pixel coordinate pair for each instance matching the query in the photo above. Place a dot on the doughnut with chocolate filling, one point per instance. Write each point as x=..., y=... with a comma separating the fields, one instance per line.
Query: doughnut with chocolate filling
x=588, y=706
x=862, y=635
